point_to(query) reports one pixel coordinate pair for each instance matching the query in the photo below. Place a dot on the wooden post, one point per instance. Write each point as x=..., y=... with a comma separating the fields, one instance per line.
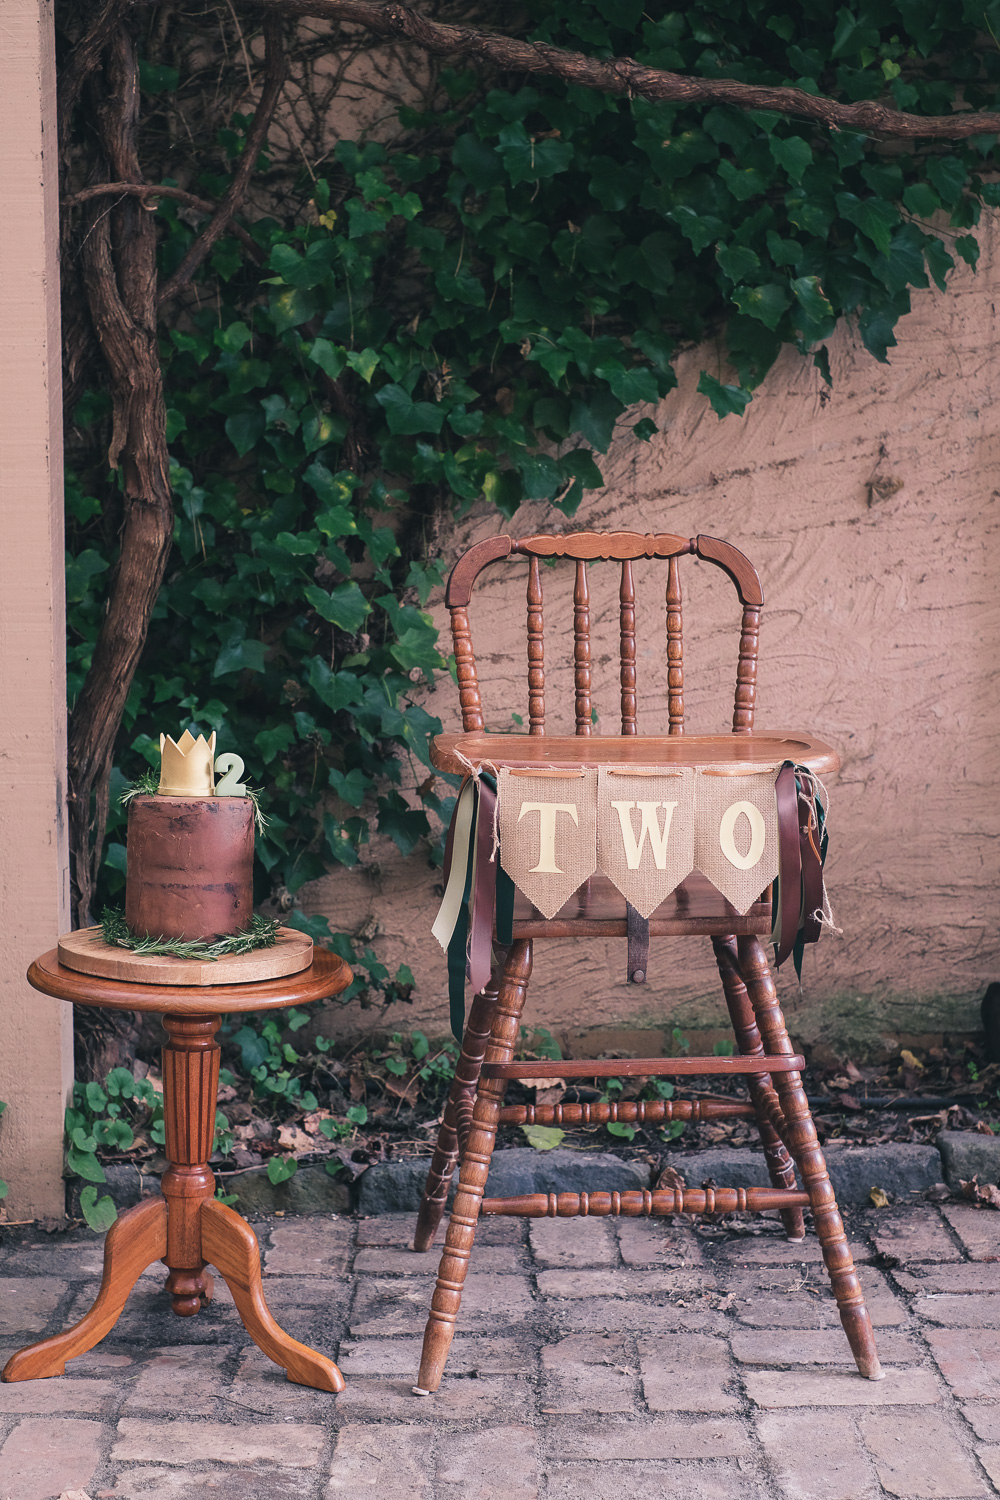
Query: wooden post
x=36, y=1032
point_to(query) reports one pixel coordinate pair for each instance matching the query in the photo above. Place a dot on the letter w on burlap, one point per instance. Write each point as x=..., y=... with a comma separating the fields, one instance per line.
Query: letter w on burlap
x=548, y=833
x=645, y=831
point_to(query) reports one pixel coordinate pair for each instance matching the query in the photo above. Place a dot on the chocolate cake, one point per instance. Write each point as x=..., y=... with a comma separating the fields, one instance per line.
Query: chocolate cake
x=190, y=852
x=190, y=866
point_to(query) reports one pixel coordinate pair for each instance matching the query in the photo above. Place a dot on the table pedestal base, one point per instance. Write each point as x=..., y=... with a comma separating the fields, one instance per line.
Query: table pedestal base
x=185, y=1228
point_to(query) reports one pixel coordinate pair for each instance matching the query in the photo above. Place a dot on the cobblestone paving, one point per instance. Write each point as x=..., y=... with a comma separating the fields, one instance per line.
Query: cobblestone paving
x=594, y=1359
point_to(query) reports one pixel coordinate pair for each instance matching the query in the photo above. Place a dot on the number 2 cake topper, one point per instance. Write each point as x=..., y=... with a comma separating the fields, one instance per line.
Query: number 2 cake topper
x=187, y=765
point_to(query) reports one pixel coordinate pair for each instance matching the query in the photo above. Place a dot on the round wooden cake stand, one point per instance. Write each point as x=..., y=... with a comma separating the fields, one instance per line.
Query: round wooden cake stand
x=185, y=1227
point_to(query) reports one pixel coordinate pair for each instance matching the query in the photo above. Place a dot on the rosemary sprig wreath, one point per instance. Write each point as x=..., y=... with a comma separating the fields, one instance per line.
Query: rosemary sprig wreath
x=261, y=933
x=147, y=784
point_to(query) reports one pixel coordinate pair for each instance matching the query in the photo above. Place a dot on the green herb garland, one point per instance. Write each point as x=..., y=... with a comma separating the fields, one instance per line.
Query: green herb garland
x=147, y=784
x=261, y=933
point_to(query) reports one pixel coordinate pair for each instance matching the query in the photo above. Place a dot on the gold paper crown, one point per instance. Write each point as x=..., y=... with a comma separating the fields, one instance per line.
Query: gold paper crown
x=186, y=766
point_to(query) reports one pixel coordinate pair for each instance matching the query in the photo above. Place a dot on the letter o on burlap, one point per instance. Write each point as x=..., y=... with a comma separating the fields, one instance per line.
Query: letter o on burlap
x=736, y=834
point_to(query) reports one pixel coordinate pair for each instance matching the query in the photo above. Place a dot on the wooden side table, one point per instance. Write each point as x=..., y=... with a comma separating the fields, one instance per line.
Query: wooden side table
x=185, y=1227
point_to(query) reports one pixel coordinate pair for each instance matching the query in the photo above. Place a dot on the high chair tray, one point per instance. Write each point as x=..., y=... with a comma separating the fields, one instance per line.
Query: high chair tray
x=733, y=752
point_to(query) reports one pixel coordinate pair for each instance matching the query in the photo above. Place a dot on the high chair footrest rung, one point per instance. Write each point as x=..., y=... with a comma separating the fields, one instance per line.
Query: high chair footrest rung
x=634, y=1205
x=643, y=1111
x=650, y=1067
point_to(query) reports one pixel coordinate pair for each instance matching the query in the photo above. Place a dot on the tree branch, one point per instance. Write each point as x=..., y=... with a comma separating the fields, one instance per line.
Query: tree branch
x=154, y=190
x=119, y=274
x=623, y=75
x=274, y=78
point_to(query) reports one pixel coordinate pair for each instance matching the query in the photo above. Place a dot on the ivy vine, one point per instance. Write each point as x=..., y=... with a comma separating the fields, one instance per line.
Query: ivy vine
x=480, y=303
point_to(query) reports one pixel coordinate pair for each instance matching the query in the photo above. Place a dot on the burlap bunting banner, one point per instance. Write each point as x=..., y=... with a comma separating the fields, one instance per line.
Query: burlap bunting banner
x=645, y=831
x=548, y=833
x=736, y=834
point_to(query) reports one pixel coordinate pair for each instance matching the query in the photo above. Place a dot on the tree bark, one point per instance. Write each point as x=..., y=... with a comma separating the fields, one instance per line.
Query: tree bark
x=623, y=75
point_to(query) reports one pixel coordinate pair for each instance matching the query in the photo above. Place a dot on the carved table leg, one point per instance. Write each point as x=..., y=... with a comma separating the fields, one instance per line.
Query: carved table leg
x=134, y=1242
x=803, y=1143
x=460, y=1101
x=231, y=1245
x=190, y=1086
x=759, y=1086
x=474, y=1171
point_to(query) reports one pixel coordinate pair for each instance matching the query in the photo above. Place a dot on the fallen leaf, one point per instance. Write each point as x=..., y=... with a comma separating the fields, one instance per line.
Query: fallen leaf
x=291, y=1138
x=986, y=1195
x=671, y=1179
x=311, y=1123
x=879, y=1197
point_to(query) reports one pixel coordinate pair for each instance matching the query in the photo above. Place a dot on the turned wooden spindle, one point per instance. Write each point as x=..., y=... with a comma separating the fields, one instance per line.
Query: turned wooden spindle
x=626, y=596
x=635, y=1204
x=190, y=1085
x=465, y=670
x=746, y=671
x=474, y=1170
x=675, y=649
x=803, y=1143
x=760, y=1088
x=581, y=650
x=536, y=650
x=457, y=1114
x=639, y=1111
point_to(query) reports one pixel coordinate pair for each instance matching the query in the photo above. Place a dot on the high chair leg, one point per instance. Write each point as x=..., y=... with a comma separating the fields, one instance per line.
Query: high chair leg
x=474, y=1169
x=802, y=1141
x=760, y=1087
x=457, y=1113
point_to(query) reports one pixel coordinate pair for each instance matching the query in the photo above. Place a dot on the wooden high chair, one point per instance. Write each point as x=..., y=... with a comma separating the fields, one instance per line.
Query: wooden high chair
x=777, y=1099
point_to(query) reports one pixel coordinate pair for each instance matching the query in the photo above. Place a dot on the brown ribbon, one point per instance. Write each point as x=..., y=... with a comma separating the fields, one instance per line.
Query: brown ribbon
x=789, y=861
x=812, y=868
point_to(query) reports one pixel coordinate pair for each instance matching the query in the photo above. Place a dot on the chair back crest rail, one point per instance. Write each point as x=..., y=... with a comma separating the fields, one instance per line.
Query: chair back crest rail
x=624, y=547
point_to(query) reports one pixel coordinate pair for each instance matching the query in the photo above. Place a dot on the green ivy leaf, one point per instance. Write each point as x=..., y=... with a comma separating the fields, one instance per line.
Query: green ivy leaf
x=365, y=362
x=725, y=400
x=281, y=1168
x=330, y=357
x=629, y=385
x=99, y=1213
x=765, y=303
x=345, y=605
x=245, y=428
x=84, y=1164
x=407, y=417
x=543, y=1137
x=793, y=154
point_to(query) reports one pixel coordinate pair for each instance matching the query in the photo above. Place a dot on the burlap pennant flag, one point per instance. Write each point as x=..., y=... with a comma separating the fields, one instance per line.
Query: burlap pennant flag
x=736, y=837
x=548, y=833
x=645, y=831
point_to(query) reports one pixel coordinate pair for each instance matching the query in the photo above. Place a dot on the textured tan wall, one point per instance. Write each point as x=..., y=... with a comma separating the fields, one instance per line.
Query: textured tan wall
x=871, y=513
x=36, y=1033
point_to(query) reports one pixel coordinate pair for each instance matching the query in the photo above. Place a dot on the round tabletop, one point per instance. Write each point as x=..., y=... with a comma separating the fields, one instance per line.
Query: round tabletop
x=327, y=975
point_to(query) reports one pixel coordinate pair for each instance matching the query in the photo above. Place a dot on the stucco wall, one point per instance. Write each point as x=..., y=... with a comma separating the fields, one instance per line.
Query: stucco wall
x=871, y=512
x=36, y=1033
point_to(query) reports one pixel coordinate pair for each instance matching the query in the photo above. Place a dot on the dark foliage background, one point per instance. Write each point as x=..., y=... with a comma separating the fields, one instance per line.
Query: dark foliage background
x=471, y=297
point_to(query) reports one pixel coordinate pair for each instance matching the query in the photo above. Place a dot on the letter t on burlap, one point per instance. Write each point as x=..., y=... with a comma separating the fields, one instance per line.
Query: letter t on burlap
x=548, y=833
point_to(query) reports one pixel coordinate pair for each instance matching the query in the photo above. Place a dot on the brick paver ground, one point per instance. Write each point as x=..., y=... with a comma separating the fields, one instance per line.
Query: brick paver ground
x=594, y=1359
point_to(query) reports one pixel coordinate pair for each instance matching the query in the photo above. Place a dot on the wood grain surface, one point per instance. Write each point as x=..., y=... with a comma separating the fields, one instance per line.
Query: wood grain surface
x=87, y=953
x=327, y=975
x=451, y=752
